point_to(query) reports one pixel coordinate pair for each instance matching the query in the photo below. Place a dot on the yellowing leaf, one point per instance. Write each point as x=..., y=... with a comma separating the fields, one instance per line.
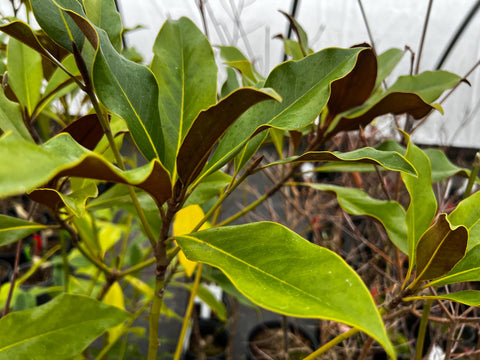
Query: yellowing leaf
x=185, y=221
x=114, y=297
x=108, y=236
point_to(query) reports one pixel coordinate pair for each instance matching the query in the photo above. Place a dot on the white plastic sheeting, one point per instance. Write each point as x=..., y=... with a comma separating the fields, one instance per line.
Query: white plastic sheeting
x=251, y=24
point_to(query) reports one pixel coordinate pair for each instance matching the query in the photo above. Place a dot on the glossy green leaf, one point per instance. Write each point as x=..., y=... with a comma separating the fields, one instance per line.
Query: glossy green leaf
x=11, y=119
x=130, y=91
x=127, y=89
x=235, y=59
x=104, y=14
x=305, y=89
x=282, y=272
x=27, y=166
x=208, y=188
x=49, y=332
x=53, y=19
x=24, y=73
x=468, y=269
x=467, y=213
x=13, y=229
x=210, y=125
x=75, y=202
x=439, y=249
x=467, y=297
x=442, y=168
x=390, y=160
x=185, y=69
x=389, y=213
x=410, y=94
x=423, y=204
x=292, y=48
x=386, y=63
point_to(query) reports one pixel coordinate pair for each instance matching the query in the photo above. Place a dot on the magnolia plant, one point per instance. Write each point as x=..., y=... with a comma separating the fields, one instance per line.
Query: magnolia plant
x=198, y=144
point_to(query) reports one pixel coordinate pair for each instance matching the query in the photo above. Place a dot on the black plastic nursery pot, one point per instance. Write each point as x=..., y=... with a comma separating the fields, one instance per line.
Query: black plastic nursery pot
x=266, y=341
x=42, y=277
x=9, y=252
x=211, y=340
x=5, y=271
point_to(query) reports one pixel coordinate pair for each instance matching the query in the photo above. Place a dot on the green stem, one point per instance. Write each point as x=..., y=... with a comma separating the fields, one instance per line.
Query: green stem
x=126, y=236
x=422, y=330
x=188, y=313
x=153, y=341
x=332, y=343
x=245, y=210
x=66, y=267
x=136, y=267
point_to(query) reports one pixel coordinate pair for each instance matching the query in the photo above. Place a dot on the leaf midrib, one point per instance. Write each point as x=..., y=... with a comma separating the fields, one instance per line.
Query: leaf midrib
x=288, y=107
x=315, y=298
x=61, y=330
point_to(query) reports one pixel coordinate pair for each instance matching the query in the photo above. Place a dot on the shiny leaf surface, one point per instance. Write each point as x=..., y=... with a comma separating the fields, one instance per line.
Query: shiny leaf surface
x=210, y=125
x=282, y=272
x=104, y=14
x=185, y=69
x=386, y=62
x=27, y=166
x=11, y=118
x=49, y=332
x=129, y=90
x=13, y=229
x=53, y=19
x=410, y=94
x=423, y=204
x=390, y=160
x=24, y=73
x=304, y=87
x=235, y=59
